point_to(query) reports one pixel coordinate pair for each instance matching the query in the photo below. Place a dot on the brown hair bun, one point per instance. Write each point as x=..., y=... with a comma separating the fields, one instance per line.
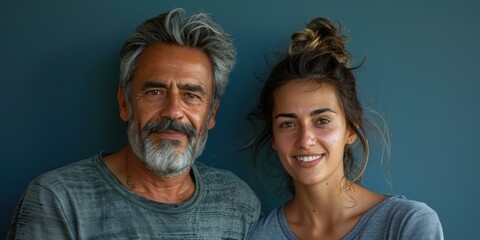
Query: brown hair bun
x=321, y=35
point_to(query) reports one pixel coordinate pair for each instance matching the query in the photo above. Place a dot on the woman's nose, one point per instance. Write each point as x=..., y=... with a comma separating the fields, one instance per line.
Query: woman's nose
x=307, y=138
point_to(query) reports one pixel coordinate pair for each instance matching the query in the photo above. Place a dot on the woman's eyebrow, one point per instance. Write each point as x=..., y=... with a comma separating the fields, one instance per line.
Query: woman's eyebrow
x=286, y=115
x=321, y=110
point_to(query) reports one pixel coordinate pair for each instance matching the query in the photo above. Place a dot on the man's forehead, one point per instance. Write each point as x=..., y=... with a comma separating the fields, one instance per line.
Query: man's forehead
x=182, y=65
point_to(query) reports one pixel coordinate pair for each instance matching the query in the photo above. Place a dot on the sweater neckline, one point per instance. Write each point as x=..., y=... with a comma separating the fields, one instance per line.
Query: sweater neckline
x=350, y=235
x=143, y=202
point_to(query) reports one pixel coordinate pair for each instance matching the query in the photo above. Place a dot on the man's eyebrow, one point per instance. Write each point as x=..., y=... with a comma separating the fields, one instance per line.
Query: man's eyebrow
x=189, y=87
x=193, y=88
x=153, y=84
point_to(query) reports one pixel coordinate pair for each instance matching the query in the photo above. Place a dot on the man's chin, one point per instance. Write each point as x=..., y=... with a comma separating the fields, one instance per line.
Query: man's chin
x=171, y=173
x=168, y=161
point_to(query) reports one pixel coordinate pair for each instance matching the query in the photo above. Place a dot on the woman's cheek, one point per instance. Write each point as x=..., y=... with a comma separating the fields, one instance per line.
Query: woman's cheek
x=328, y=138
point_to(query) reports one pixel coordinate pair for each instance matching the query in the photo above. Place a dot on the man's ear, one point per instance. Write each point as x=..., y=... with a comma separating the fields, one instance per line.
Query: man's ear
x=122, y=103
x=213, y=114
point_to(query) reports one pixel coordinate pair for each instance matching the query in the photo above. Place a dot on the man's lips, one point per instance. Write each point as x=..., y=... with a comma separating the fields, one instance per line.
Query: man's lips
x=169, y=134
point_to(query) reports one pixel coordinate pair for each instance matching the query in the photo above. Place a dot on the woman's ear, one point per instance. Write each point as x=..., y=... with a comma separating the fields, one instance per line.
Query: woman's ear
x=351, y=136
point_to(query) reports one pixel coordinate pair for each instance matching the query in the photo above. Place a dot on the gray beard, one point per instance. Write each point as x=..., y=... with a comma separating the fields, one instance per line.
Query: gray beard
x=162, y=158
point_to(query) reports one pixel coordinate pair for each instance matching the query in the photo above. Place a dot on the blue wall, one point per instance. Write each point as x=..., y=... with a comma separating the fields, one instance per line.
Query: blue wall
x=59, y=71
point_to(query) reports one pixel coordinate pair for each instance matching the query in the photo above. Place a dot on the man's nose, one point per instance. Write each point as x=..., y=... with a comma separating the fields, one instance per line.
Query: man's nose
x=172, y=108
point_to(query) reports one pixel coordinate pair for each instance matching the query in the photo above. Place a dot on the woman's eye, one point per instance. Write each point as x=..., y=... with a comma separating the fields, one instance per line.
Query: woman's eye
x=287, y=125
x=323, y=121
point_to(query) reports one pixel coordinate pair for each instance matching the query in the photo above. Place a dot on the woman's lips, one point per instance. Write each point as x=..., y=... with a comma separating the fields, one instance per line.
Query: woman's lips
x=307, y=161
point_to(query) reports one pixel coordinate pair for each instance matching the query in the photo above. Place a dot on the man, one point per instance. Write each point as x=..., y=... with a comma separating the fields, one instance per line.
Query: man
x=173, y=72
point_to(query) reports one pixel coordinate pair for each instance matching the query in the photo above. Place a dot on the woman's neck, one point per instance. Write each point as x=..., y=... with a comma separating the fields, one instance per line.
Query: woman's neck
x=328, y=211
x=324, y=202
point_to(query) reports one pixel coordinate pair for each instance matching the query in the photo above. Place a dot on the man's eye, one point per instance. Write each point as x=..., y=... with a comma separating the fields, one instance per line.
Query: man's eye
x=154, y=92
x=191, y=96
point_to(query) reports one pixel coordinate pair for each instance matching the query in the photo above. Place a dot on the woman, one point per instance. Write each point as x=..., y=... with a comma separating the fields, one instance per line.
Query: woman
x=315, y=123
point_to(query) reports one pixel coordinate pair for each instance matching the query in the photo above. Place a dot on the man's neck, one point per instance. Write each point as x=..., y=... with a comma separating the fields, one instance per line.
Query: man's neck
x=137, y=178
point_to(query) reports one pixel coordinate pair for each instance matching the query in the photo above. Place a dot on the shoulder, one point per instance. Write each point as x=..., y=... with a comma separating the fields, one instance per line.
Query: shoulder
x=271, y=226
x=269, y=221
x=399, y=206
x=215, y=177
x=224, y=189
x=69, y=180
x=70, y=174
x=402, y=218
x=53, y=200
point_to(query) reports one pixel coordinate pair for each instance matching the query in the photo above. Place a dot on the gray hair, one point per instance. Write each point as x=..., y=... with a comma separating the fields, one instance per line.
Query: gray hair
x=198, y=31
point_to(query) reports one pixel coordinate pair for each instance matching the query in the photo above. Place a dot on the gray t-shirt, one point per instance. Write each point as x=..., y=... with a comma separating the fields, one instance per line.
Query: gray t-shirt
x=393, y=218
x=86, y=201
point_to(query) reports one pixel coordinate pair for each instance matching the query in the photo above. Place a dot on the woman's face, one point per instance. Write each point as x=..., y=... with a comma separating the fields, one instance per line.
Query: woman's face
x=310, y=132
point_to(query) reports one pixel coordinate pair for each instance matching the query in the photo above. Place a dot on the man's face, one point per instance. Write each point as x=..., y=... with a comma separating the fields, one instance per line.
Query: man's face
x=170, y=110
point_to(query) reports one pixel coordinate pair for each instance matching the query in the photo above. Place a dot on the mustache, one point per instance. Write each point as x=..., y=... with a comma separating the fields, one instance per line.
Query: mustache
x=168, y=124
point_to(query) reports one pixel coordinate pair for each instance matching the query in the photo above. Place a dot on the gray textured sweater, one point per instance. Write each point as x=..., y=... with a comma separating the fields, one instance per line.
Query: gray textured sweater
x=393, y=218
x=86, y=201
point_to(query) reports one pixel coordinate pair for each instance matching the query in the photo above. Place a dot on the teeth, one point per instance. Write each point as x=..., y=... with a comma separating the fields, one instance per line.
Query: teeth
x=307, y=158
